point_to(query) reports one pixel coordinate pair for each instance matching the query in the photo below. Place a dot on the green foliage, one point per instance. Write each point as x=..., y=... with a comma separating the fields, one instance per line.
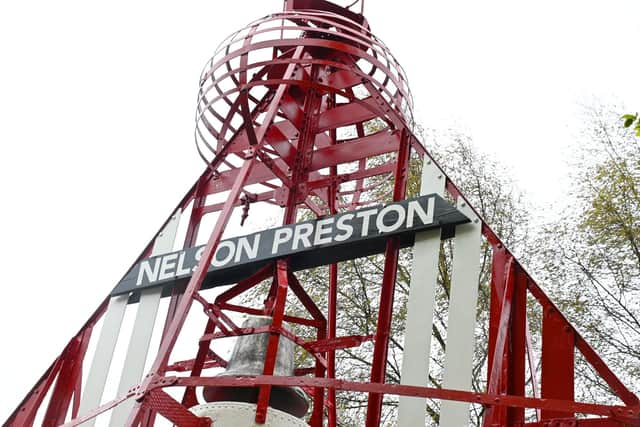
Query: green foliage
x=613, y=219
x=590, y=257
x=632, y=120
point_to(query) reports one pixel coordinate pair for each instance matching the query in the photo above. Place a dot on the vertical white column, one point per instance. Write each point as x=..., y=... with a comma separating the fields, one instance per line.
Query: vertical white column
x=143, y=328
x=458, y=363
x=424, y=276
x=99, y=369
x=97, y=377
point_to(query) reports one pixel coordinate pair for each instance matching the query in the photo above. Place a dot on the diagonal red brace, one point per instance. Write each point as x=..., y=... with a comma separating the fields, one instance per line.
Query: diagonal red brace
x=166, y=406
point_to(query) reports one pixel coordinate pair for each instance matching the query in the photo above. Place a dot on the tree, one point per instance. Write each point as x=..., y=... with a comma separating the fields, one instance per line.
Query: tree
x=593, y=265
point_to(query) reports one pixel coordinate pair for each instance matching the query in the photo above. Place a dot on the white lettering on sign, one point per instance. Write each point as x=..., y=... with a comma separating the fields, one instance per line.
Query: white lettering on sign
x=230, y=248
x=366, y=216
x=251, y=251
x=199, y=253
x=301, y=233
x=151, y=273
x=180, y=270
x=324, y=233
x=416, y=208
x=346, y=228
x=322, y=229
x=167, y=268
x=281, y=236
x=198, y=256
x=393, y=227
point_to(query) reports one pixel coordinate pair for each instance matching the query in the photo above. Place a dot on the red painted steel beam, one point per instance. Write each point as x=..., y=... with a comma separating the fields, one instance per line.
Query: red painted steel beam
x=259, y=312
x=517, y=347
x=348, y=177
x=99, y=410
x=68, y=379
x=317, y=410
x=210, y=313
x=277, y=166
x=261, y=197
x=343, y=79
x=587, y=351
x=331, y=354
x=578, y=422
x=379, y=362
x=292, y=111
x=213, y=360
x=362, y=165
x=558, y=348
x=332, y=295
x=236, y=333
x=348, y=114
x=305, y=299
x=361, y=148
x=224, y=180
x=25, y=414
x=630, y=415
x=195, y=218
x=498, y=370
x=339, y=343
x=189, y=398
x=282, y=277
x=385, y=311
x=605, y=372
x=507, y=337
x=64, y=388
x=280, y=143
x=193, y=286
x=160, y=402
x=198, y=202
x=246, y=284
x=26, y=411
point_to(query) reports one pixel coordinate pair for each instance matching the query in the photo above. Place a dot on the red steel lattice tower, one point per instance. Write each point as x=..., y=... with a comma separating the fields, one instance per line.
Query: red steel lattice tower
x=308, y=111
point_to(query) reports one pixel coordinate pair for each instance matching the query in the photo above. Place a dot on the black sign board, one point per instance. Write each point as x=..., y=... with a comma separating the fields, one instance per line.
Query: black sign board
x=308, y=244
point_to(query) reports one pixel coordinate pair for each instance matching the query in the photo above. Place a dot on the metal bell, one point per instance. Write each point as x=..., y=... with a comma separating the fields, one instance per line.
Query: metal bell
x=247, y=359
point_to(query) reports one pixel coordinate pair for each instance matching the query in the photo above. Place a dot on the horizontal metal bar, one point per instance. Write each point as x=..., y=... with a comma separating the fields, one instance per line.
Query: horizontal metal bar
x=632, y=413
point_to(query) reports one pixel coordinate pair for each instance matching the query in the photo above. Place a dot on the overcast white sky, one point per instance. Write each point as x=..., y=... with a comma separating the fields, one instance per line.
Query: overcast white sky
x=96, y=118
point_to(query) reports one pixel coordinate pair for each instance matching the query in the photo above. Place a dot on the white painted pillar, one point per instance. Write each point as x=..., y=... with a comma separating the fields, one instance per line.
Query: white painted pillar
x=101, y=363
x=458, y=363
x=138, y=349
x=97, y=377
x=424, y=276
